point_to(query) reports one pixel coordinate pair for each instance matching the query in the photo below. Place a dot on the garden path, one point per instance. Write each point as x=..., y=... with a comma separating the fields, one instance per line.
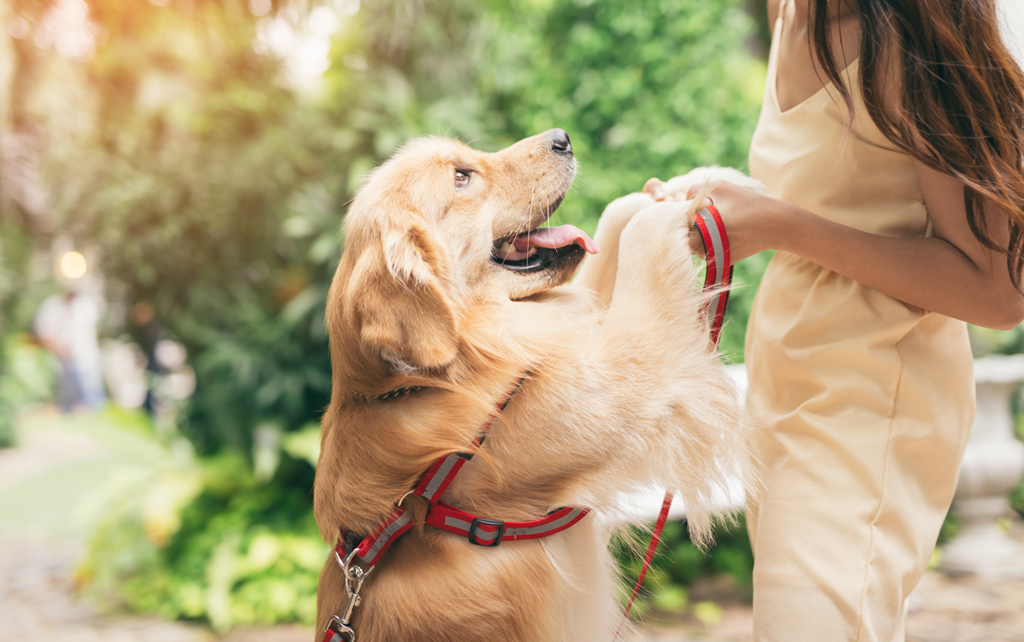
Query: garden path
x=46, y=483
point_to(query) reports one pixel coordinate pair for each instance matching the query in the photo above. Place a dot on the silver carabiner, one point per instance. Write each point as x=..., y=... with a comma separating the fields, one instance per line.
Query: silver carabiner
x=353, y=573
x=354, y=578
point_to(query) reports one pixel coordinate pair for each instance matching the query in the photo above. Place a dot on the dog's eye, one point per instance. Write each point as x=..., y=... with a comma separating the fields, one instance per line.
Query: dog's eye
x=461, y=178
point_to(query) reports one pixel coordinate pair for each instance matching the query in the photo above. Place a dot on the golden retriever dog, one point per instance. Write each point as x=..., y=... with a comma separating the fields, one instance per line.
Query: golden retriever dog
x=448, y=291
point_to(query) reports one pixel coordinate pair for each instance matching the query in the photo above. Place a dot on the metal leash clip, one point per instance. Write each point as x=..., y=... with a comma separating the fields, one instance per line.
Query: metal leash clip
x=337, y=631
x=354, y=577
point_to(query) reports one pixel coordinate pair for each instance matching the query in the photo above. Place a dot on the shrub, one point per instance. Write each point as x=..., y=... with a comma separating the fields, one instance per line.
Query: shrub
x=206, y=540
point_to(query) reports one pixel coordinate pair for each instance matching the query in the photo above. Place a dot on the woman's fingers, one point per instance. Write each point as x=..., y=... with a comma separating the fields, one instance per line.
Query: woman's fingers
x=655, y=188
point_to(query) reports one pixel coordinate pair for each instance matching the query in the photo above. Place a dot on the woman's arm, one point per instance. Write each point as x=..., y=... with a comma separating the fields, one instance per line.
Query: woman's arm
x=773, y=12
x=951, y=273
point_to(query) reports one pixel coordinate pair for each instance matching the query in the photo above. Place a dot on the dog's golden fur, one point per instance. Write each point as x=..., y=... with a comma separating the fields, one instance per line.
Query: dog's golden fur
x=623, y=390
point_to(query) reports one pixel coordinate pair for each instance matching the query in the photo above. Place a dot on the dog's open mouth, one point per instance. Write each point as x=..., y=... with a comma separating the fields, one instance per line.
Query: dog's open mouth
x=541, y=248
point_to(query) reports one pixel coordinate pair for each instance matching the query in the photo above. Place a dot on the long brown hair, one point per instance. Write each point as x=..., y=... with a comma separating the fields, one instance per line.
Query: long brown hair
x=958, y=106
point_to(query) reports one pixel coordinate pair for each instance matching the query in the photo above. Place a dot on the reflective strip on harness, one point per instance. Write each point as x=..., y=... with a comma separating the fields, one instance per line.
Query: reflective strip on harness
x=444, y=470
x=432, y=485
x=440, y=475
x=448, y=518
x=370, y=549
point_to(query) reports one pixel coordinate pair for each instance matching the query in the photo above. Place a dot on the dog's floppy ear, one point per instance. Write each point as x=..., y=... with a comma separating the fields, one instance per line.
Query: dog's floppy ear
x=402, y=307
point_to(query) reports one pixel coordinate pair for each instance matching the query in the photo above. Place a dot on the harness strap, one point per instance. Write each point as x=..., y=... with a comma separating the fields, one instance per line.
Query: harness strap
x=444, y=469
x=491, y=532
x=373, y=545
x=430, y=487
x=480, y=531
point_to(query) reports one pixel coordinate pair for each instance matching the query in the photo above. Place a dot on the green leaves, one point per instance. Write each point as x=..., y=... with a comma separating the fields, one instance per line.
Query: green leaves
x=215, y=194
x=206, y=539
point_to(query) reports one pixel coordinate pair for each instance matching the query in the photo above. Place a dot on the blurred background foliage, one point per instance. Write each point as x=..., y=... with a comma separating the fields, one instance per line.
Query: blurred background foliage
x=202, y=153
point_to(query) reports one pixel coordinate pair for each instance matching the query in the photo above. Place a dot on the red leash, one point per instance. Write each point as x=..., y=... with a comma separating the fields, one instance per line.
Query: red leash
x=718, y=277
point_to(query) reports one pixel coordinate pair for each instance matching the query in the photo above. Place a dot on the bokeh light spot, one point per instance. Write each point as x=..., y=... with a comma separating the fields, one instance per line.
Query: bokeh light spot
x=72, y=265
x=260, y=8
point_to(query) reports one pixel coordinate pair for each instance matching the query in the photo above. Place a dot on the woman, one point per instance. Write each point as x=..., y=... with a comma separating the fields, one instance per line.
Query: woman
x=891, y=142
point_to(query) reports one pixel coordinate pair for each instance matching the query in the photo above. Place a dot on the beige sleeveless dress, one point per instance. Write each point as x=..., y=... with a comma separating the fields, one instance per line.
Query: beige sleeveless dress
x=867, y=401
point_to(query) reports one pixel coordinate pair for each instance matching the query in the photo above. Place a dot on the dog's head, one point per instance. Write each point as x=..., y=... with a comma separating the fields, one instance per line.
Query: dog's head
x=442, y=228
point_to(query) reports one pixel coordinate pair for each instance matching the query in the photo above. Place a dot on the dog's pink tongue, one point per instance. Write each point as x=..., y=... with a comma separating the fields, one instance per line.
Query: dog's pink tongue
x=556, y=237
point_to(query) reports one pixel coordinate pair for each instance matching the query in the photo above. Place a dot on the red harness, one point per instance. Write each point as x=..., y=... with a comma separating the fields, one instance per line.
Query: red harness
x=359, y=557
x=478, y=530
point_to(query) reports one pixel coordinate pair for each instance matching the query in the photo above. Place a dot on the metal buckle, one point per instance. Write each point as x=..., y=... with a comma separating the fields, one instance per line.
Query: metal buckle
x=478, y=521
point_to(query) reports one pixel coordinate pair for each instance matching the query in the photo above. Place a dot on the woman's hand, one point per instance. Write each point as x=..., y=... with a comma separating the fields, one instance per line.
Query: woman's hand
x=752, y=220
x=951, y=272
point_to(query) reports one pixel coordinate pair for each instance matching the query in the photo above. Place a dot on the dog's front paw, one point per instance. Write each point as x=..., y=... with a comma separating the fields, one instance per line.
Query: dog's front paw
x=658, y=238
x=598, y=272
x=618, y=214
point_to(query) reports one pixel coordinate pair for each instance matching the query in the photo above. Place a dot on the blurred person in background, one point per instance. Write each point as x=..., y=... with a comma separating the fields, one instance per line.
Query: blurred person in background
x=66, y=325
x=147, y=333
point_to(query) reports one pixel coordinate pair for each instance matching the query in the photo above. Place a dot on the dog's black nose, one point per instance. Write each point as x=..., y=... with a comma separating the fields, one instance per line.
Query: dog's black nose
x=560, y=141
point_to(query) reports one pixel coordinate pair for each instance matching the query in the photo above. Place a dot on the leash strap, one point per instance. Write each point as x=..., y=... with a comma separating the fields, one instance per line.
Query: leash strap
x=659, y=526
x=719, y=265
x=340, y=634
x=717, y=279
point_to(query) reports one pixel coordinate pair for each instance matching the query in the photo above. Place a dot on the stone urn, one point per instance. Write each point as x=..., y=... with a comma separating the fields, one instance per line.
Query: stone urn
x=993, y=465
